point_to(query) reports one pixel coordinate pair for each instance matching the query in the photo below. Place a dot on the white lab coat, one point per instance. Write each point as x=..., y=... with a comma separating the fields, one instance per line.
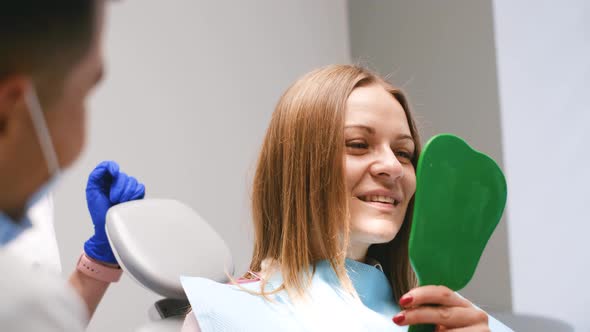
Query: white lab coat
x=37, y=246
x=33, y=295
x=37, y=300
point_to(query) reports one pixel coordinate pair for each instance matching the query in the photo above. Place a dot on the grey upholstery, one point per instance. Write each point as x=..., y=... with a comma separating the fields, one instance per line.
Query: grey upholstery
x=158, y=240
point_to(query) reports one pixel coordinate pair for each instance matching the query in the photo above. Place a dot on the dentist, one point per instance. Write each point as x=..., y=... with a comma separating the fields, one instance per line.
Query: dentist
x=50, y=60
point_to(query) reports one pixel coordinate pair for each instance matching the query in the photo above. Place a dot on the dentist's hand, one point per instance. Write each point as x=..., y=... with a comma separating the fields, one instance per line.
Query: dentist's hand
x=106, y=187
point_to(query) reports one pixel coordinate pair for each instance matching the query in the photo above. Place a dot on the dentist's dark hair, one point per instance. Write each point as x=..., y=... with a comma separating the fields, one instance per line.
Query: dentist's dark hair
x=44, y=38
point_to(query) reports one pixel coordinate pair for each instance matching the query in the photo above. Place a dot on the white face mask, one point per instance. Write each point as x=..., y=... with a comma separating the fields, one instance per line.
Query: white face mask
x=42, y=131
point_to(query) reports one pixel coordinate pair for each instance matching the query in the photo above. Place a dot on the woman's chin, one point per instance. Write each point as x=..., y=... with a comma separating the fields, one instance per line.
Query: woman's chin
x=382, y=231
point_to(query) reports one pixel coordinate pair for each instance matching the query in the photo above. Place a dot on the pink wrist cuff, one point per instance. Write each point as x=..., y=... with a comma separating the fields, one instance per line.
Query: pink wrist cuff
x=98, y=271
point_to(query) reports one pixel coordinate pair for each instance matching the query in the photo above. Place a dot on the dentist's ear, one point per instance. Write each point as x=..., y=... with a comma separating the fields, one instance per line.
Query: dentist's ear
x=12, y=93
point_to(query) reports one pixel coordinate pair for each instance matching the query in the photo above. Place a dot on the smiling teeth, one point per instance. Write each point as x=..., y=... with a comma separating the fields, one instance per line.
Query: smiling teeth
x=380, y=199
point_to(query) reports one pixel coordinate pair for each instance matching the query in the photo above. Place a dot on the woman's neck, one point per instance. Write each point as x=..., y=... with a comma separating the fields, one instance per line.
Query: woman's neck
x=357, y=251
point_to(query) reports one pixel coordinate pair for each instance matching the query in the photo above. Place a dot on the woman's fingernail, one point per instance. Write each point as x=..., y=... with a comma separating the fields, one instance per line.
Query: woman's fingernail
x=405, y=300
x=399, y=318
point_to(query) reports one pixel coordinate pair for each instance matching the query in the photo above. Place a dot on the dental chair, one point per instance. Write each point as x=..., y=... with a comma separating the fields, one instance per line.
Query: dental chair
x=136, y=231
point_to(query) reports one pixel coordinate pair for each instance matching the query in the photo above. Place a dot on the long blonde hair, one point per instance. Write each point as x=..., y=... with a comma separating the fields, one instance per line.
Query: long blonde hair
x=299, y=197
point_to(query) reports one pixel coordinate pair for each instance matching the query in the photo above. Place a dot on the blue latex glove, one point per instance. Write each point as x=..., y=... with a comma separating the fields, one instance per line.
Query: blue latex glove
x=106, y=187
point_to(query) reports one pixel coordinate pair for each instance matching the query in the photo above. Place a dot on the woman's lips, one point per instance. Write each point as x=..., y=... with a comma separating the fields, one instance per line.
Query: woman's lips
x=386, y=207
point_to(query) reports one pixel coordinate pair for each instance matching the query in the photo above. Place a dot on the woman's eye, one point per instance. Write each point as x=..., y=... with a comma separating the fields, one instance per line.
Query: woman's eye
x=357, y=145
x=405, y=155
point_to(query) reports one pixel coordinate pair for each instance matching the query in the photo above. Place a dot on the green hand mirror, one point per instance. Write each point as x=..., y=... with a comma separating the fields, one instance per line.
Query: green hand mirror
x=459, y=200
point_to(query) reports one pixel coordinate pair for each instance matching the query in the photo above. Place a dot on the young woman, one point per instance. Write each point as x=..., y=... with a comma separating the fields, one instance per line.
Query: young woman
x=331, y=203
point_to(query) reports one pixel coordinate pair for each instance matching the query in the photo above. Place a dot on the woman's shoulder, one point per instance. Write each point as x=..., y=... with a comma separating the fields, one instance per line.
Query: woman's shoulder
x=202, y=286
x=236, y=306
x=208, y=296
x=243, y=281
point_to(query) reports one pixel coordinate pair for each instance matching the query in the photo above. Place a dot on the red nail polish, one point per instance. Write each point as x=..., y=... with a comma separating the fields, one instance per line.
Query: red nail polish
x=405, y=300
x=399, y=318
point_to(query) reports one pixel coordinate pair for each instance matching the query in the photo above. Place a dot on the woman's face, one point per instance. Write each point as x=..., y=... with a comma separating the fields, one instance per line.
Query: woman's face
x=380, y=177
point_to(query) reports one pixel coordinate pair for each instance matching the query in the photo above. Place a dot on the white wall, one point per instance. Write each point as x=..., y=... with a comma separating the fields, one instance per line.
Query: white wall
x=188, y=95
x=543, y=50
x=442, y=54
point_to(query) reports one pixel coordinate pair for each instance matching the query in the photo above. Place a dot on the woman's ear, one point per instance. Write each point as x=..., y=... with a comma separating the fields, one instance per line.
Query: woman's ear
x=12, y=93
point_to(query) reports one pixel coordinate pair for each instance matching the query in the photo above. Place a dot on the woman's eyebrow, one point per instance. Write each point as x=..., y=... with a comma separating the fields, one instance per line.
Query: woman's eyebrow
x=402, y=137
x=368, y=129
x=406, y=138
x=371, y=130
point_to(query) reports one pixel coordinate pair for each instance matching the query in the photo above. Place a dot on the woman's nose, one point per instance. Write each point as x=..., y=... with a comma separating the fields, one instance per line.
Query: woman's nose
x=387, y=165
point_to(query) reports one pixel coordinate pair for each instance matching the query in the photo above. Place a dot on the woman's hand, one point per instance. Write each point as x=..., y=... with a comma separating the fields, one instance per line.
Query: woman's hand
x=440, y=306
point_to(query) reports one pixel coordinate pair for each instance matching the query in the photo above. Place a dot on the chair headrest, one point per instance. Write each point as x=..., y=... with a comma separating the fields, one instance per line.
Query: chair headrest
x=157, y=240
